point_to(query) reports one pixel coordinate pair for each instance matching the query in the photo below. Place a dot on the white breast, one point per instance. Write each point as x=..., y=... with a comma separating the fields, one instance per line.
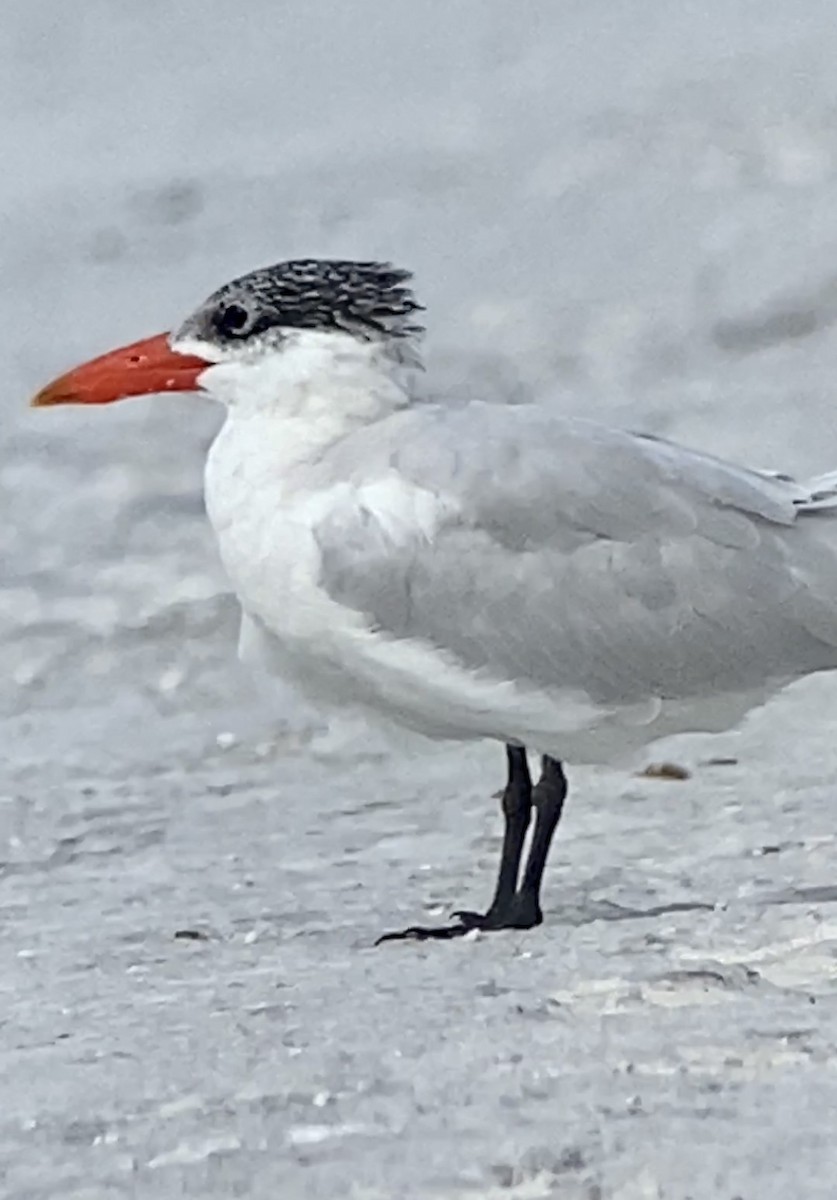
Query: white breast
x=265, y=523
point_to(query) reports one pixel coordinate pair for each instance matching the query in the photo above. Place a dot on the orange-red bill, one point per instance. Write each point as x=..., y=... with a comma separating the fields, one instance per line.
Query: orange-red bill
x=141, y=369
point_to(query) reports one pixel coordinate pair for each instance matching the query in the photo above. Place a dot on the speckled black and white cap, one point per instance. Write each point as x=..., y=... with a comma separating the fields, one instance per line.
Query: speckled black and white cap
x=371, y=300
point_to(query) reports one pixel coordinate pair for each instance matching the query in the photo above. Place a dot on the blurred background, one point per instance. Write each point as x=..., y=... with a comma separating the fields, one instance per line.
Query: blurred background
x=627, y=210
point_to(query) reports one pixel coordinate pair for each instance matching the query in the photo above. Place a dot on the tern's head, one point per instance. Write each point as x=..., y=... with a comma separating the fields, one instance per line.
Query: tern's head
x=291, y=327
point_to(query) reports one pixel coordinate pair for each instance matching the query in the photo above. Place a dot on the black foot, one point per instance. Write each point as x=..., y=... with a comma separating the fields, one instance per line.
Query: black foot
x=514, y=906
x=523, y=913
x=424, y=933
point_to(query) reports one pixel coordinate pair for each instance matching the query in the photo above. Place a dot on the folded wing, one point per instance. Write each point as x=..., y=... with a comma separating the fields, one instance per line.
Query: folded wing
x=534, y=547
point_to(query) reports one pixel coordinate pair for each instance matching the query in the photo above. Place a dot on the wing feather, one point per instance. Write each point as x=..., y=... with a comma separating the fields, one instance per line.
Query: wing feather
x=531, y=546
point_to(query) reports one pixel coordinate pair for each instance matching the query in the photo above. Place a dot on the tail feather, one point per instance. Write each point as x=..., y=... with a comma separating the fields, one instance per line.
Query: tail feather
x=812, y=495
x=822, y=492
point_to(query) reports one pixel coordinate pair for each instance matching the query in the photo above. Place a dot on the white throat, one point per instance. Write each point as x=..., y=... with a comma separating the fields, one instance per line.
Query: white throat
x=303, y=372
x=286, y=406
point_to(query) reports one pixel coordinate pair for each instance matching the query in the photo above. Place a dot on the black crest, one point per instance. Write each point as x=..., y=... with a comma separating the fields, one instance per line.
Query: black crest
x=368, y=299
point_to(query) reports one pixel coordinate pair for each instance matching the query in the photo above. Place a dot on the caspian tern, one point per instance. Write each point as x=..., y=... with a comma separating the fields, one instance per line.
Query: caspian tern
x=479, y=570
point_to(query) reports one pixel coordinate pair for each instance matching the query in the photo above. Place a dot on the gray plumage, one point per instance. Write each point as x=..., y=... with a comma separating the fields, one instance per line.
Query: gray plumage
x=583, y=557
x=475, y=570
x=584, y=566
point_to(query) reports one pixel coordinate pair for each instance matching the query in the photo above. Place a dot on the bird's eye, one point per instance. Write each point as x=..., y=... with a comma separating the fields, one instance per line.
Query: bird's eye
x=233, y=320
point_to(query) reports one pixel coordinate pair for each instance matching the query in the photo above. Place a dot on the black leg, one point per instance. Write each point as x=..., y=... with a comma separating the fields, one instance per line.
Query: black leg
x=517, y=808
x=512, y=907
x=548, y=798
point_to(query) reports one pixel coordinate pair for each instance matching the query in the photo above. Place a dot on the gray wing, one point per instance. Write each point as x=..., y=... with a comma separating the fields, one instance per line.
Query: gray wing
x=575, y=555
